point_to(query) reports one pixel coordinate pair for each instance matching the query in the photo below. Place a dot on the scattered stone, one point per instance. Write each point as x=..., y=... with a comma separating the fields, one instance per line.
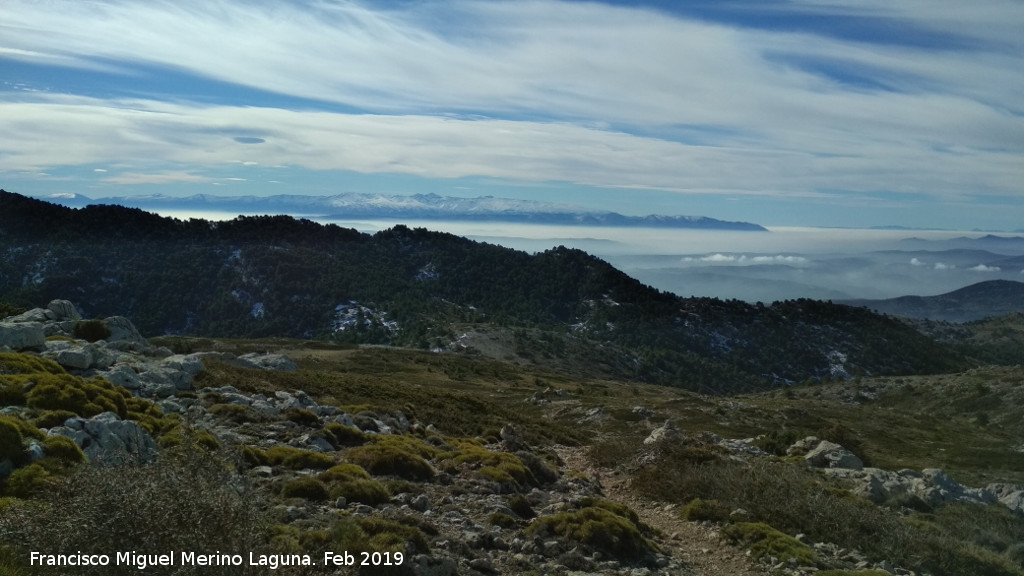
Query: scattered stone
x=666, y=431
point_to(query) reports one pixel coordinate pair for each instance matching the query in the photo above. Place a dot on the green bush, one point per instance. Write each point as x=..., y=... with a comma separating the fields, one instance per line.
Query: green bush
x=64, y=449
x=344, y=473
x=51, y=418
x=11, y=443
x=389, y=459
x=767, y=541
x=14, y=363
x=27, y=482
x=340, y=435
x=301, y=416
x=521, y=506
x=369, y=492
x=504, y=520
x=596, y=528
x=306, y=487
x=297, y=458
x=91, y=330
x=698, y=510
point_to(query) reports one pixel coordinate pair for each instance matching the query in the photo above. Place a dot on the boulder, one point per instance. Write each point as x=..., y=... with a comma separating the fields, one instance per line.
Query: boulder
x=122, y=330
x=74, y=358
x=63, y=310
x=278, y=362
x=831, y=455
x=1009, y=495
x=802, y=447
x=34, y=315
x=22, y=335
x=107, y=440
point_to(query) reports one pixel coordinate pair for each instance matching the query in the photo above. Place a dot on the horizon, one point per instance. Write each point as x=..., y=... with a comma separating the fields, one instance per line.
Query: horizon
x=789, y=113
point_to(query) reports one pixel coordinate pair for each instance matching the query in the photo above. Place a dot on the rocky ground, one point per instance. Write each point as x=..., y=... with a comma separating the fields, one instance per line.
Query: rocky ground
x=493, y=505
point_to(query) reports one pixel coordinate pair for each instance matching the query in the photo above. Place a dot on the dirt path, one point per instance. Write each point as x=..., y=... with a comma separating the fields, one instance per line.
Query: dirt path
x=698, y=547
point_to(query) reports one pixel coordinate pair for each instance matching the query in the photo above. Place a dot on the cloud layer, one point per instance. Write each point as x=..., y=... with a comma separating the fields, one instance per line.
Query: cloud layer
x=594, y=94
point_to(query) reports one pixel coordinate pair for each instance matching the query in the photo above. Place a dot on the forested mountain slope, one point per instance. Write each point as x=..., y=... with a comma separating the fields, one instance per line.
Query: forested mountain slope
x=278, y=276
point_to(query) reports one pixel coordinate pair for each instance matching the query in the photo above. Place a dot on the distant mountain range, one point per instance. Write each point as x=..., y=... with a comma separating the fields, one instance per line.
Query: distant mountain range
x=974, y=302
x=356, y=206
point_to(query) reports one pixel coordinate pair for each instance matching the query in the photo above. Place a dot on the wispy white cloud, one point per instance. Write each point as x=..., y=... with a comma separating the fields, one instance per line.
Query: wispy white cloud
x=543, y=90
x=984, y=268
x=155, y=178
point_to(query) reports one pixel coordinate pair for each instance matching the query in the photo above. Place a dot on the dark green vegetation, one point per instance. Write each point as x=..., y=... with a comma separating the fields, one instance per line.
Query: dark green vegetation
x=277, y=276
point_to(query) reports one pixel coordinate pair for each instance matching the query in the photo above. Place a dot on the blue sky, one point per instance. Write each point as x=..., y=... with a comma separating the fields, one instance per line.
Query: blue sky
x=784, y=112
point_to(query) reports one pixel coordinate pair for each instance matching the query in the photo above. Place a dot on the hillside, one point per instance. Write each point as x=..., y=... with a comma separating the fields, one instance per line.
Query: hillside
x=283, y=451
x=277, y=276
x=974, y=302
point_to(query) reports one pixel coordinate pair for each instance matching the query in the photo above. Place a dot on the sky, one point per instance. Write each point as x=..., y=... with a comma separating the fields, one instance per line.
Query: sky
x=782, y=112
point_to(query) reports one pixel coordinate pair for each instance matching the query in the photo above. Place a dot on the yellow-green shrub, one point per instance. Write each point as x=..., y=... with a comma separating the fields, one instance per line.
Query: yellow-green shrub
x=12, y=363
x=597, y=528
x=369, y=492
x=344, y=473
x=698, y=509
x=389, y=458
x=27, y=482
x=297, y=458
x=767, y=541
x=306, y=487
x=341, y=435
x=11, y=442
x=64, y=449
x=51, y=418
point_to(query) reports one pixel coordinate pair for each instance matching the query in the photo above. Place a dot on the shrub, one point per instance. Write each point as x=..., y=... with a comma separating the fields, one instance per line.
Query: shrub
x=185, y=435
x=504, y=520
x=91, y=330
x=27, y=482
x=340, y=435
x=301, y=416
x=297, y=458
x=235, y=412
x=597, y=528
x=51, y=418
x=521, y=506
x=767, y=541
x=344, y=473
x=14, y=363
x=185, y=498
x=369, y=492
x=494, y=466
x=306, y=487
x=698, y=510
x=64, y=449
x=11, y=442
x=383, y=459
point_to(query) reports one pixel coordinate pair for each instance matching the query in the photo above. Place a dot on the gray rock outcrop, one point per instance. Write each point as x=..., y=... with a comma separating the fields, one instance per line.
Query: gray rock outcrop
x=22, y=335
x=108, y=440
x=831, y=455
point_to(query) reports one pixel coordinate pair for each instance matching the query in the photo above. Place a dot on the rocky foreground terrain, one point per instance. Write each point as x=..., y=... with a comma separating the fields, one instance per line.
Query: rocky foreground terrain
x=460, y=466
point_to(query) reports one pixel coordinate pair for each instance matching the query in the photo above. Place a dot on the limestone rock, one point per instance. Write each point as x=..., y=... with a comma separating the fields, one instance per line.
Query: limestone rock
x=63, y=310
x=74, y=359
x=831, y=455
x=22, y=335
x=122, y=330
x=802, y=447
x=107, y=440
